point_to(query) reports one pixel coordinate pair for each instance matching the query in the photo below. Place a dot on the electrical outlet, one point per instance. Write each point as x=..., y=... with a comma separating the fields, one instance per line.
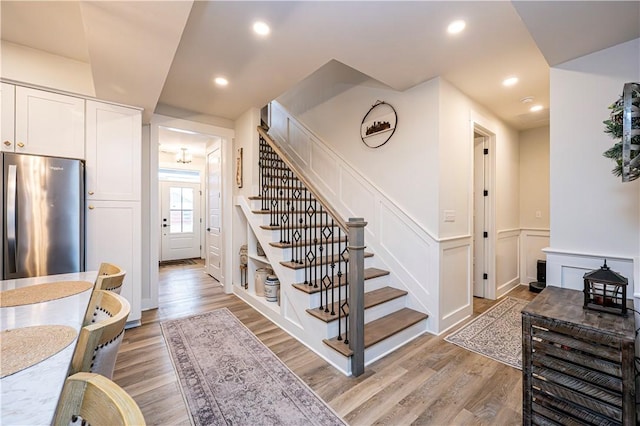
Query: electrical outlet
x=449, y=215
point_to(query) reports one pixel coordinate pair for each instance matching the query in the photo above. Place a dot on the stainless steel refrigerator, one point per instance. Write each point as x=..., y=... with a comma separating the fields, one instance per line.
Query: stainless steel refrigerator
x=42, y=215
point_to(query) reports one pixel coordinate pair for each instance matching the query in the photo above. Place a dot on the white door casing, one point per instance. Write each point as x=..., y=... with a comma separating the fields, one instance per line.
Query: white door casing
x=180, y=225
x=479, y=241
x=214, y=212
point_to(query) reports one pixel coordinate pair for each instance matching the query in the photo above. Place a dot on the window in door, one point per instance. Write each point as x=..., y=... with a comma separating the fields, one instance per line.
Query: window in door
x=180, y=210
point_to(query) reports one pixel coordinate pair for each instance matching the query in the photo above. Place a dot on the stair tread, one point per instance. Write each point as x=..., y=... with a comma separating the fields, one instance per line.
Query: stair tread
x=378, y=330
x=369, y=273
x=321, y=261
x=303, y=243
x=260, y=198
x=277, y=227
x=281, y=211
x=371, y=299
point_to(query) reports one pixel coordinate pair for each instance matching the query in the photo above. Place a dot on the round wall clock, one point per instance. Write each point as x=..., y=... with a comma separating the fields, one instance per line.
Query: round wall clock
x=378, y=125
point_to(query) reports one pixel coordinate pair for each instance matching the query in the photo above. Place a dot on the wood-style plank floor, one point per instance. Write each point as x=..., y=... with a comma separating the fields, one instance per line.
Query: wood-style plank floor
x=427, y=382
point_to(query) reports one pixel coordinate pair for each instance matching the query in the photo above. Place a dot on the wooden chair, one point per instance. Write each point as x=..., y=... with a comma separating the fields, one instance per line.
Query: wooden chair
x=101, y=335
x=110, y=277
x=98, y=401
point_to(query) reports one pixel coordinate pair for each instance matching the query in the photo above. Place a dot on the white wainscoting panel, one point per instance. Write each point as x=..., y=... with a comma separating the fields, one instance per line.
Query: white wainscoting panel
x=565, y=269
x=455, y=281
x=532, y=241
x=507, y=261
x=324, y=169
x=300, y=144
x=357, y=198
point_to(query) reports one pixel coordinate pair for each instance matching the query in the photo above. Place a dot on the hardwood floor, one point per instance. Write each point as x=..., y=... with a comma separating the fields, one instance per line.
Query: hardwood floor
x=427, y=382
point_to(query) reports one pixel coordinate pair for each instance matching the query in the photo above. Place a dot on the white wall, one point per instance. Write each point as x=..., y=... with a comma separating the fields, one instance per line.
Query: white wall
x=534, y=198
x=593, y=214
x=534, y=178
x=39, y=68
x=406, y=168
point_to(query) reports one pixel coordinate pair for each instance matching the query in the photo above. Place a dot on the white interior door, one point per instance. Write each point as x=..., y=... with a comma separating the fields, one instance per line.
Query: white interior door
x=179, y=220
x=479, y=241
x=214, y=212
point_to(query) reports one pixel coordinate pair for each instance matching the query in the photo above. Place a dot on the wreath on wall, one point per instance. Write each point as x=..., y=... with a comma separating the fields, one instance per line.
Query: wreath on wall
x=623, y=126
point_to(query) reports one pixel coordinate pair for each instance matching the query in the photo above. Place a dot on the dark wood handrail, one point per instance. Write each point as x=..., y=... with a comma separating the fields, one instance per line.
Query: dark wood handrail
x=306, y=182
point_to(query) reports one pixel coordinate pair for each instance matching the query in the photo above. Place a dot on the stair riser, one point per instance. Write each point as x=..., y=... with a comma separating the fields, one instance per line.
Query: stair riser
x=371, y=314
x=390, y=344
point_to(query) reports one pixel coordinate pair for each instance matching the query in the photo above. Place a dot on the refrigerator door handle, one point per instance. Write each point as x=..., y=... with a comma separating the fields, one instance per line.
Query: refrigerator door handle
x=11, y=217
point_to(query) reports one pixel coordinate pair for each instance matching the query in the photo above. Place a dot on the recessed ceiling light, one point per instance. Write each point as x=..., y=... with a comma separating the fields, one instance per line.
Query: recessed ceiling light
x=221, y=81
x=536, y=108
x=456, y=26
x=261, y=28
x=510, y=81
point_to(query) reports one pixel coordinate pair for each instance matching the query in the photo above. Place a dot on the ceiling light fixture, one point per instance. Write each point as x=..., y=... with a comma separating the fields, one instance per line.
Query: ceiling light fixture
x=261, y=28
x=510, y=81
x=221, y=81
x=536, y=108
x=456, y=27
x=184, y=156
x=527, y=100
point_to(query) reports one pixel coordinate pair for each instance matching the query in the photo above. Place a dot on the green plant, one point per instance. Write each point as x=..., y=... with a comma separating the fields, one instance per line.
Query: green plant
x=614, y=127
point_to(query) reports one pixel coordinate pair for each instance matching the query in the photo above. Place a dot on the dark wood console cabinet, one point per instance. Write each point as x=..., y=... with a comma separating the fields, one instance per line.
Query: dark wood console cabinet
x=578, y=364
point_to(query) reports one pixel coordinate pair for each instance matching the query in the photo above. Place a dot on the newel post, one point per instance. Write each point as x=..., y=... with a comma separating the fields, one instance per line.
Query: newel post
x=356, y=293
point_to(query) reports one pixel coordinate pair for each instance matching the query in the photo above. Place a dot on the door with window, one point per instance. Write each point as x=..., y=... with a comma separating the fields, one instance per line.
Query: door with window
x=180, y=220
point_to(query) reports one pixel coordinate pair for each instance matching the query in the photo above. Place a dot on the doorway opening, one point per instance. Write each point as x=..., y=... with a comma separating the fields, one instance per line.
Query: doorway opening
x=483, y=279
x=178, y=153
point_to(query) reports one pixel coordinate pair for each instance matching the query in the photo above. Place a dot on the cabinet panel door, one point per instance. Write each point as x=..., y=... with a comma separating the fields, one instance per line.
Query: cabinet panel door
x=7, y=93
x=113, y=235
x=114, y=138
x=49, y=123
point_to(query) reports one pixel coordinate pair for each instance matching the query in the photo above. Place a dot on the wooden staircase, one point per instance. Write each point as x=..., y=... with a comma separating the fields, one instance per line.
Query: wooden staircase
x=386, y=311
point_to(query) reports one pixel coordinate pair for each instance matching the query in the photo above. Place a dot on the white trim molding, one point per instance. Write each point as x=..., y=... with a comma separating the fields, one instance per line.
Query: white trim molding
x=565, y=268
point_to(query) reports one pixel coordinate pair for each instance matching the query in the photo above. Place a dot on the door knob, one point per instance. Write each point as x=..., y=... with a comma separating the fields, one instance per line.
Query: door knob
x=7, y=143
x=90, y=192
x=208, y=229
x=91, y=207
x=164, y=225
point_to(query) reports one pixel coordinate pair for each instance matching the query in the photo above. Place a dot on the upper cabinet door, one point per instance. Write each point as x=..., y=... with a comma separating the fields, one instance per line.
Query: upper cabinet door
x=48, y=123
x=7, y=128
x=114, y=158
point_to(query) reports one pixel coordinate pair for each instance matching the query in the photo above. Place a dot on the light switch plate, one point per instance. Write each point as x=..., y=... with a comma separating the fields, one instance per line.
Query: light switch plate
x=449, y=215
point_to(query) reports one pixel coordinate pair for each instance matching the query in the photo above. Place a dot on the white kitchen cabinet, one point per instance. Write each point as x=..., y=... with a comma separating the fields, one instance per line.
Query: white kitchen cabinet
x=113, y=235
x=7, y=118
x=45, y=123
x=113, y=152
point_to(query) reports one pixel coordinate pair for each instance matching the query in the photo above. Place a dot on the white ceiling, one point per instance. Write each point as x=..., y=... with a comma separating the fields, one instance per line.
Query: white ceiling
x=151, y=53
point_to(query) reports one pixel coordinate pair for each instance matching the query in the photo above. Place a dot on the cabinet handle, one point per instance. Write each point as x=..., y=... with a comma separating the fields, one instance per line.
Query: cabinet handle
x=20, y=144
x=91, y=207
x=90, y=192
x=7, y=143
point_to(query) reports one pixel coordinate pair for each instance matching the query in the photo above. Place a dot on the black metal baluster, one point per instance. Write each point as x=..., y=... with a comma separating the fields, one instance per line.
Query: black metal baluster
x=333, y=267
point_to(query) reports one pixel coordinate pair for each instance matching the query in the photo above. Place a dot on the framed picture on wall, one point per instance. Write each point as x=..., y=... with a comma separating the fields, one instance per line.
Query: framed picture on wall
x=378, y=125
x=239, y=168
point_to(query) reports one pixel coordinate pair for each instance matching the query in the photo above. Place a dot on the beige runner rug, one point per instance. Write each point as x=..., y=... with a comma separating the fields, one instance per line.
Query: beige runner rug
x=229, y=377
x=497, y=333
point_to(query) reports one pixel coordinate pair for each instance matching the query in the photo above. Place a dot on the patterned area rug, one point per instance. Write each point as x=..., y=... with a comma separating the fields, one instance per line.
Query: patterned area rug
x=497, y=333
x=229, y=377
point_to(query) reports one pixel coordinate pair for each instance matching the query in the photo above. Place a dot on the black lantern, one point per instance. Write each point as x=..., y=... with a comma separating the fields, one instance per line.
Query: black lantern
x=605, y=290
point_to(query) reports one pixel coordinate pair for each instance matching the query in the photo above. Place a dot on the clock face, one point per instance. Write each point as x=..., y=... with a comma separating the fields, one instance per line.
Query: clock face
x=378, y=125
